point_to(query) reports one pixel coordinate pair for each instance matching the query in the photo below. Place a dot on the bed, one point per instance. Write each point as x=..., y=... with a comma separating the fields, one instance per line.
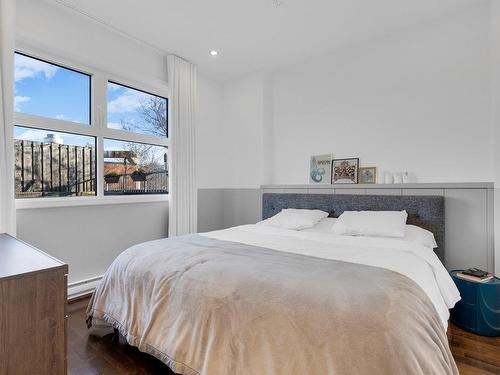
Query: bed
x=255, y=299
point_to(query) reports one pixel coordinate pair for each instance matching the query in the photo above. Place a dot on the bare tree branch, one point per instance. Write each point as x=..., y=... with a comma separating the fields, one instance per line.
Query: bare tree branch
x=154, y=114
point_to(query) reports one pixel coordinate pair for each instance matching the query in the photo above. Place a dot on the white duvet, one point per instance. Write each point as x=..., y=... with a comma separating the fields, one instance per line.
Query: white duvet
x=412, y=260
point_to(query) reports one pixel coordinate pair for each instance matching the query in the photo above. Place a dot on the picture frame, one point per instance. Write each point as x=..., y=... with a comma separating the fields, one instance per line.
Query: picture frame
x=368, y=175
x=345, y=171
x=320, y=169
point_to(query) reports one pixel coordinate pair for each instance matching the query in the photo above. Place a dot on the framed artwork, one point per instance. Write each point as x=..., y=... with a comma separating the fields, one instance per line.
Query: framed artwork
x=345, y=171
x=368, y=175
x=320, y=169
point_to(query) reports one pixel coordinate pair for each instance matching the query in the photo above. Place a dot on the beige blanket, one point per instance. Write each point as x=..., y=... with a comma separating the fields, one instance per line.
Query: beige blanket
x=205, y=306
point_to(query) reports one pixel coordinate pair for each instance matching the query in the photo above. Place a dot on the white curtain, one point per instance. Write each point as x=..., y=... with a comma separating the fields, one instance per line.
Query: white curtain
x=182, y=124
x=7, y=32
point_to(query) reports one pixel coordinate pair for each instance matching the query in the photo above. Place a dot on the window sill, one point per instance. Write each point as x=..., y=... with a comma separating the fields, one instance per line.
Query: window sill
x=31, y=203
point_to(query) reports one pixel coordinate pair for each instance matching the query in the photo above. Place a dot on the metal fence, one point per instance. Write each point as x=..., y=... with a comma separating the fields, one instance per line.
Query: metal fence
x=153, y=183
x=51, y=169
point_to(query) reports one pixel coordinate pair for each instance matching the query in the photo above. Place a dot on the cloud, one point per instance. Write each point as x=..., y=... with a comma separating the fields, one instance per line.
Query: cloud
x=32, y=135
x=39, y=136
x=26, y=67
x=114, y=86
x=18, y=100
x=115, y=125
x=129, y=101
x=66, y=118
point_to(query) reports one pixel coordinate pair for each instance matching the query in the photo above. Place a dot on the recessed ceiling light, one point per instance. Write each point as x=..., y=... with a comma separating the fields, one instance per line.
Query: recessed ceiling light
x=214, y=52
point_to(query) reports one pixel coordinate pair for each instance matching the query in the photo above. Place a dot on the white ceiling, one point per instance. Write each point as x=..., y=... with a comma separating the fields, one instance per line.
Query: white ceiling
x=256, y=35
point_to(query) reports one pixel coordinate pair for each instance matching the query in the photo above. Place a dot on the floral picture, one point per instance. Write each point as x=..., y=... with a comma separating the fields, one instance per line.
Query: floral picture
x=320, y=170
x=368, y=175
x=345, y=171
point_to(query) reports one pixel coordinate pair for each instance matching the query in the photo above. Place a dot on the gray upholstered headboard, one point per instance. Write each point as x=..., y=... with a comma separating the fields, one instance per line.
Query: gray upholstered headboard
x=425, y=211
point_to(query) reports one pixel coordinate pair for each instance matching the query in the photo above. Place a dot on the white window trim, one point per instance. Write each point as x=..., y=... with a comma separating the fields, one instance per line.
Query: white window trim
x=33, y=203
x=98, y=129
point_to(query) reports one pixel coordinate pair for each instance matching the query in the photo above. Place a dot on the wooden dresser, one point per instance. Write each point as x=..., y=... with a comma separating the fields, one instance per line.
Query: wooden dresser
x=33, y=290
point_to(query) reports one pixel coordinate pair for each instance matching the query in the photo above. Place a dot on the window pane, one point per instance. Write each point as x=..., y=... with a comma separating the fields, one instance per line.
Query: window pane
x=136, y=111
x=50, y=90
x=53, y=164
x=134, y=168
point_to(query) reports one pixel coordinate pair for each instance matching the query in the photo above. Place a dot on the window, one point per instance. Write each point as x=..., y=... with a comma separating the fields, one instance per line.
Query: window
x=131, y=167
x=136, y=111
x=49, y=163
x=50, y=90
x=63, y=150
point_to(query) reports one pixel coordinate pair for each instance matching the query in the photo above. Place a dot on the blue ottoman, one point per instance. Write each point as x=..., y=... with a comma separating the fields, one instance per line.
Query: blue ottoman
x=479, y=309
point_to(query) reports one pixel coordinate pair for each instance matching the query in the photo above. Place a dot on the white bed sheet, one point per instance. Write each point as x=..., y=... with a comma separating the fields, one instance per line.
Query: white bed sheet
x=414, y=261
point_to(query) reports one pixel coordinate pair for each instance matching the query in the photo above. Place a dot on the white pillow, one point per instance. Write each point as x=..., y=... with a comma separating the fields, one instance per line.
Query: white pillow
x=413, y=233
x=296, y=219
x=421, y=236
x=371, y=223
x=324, y=226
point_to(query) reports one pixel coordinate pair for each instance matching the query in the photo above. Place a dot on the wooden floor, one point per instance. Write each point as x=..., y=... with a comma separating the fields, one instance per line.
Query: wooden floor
x=474, y=354
x=100, y=354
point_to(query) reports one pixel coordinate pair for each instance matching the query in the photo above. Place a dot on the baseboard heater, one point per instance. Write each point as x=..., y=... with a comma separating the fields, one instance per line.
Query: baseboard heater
x=83, y=287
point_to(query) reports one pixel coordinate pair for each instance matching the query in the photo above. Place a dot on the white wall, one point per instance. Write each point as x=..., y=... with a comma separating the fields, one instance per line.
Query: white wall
x=211, y=150
x=418, y=100
x=243, y=118
x=230, y=147
x=89, y=238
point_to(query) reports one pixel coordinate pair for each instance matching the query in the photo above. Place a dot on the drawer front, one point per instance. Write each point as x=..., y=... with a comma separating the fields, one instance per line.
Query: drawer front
x=66, y=316
x=33, y=318
x=464, y=316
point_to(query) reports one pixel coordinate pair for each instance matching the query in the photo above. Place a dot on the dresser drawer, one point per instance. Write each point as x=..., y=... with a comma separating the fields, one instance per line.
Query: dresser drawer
x=33, y=298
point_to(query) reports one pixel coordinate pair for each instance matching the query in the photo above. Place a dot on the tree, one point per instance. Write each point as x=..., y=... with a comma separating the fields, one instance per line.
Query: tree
x=148, y=156
x=153, y=112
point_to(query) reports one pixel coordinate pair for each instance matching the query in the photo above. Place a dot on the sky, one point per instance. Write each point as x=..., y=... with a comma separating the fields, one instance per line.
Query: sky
x=48, y=90
x=123, y=106
x=39, y=135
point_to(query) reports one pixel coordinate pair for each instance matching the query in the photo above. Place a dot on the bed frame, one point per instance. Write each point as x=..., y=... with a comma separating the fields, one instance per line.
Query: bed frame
x=425, y=211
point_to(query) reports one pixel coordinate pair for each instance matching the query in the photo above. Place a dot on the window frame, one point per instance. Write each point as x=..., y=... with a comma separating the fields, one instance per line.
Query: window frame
x=91, y=109
x=97, y=128
x=140, y=90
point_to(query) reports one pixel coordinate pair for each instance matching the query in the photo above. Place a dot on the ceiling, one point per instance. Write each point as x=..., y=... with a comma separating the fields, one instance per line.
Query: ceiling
x=260, y=35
